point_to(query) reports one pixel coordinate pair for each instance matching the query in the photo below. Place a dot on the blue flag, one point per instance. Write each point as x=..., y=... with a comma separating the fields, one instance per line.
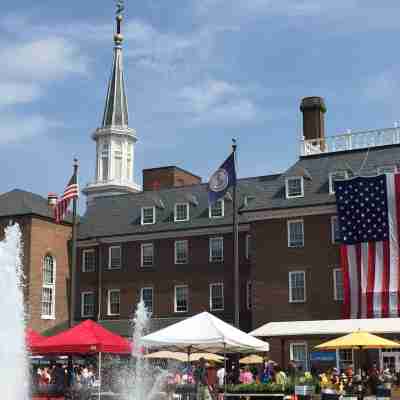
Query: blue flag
x=222, y=179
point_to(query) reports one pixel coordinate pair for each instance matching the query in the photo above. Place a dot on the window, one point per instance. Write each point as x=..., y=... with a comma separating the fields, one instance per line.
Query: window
x=147, y=254
x=146, y=294
x=114, y=257
x=118, y=161
x=336, y=176
x=104, y=162
x=297, y=286
x=48, y=287
x=181, y=252
x=181, y=212
x=148, y=215
x=217, y=209
x=338, y=290
x=216, y=296
x=387, y=169
x=249, y=295
x=88, y=260
x=88, y=300
x=181, y=299
x=248, y=246
x=345, y=358
x=294, y=187
x=129, y=162
x=298, y=353
x=335, y=230
x=217, y=249
x=113, y=301
x=295, y=233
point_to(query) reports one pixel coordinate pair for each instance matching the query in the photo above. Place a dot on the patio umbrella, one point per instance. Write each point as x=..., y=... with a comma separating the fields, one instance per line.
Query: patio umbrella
x=358, y=340
x=180, y=356
x=252, y=359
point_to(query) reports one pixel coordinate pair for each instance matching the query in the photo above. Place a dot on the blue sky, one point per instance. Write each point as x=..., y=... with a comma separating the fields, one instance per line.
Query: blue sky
x=199, y=72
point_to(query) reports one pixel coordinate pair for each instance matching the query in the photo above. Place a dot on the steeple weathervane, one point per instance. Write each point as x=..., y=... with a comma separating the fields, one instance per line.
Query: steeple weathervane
x=120, y=7
x=118, y=38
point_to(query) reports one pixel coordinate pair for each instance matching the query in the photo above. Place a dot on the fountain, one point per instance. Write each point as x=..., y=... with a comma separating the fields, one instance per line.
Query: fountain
x=14, y=380
x=142, y=380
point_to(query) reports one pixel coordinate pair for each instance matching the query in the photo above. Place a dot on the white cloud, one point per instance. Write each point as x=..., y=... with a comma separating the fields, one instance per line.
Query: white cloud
x=15, y=128
x=216, y=101
x=13, y=93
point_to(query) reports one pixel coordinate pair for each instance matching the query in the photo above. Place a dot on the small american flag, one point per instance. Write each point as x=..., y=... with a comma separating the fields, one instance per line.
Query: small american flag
x=70, y=192
x=369, y=223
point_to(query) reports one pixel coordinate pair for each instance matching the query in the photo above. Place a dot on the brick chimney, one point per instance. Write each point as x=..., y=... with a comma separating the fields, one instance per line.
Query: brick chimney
x=313, y=109
x=52, y=200
x=168, y=177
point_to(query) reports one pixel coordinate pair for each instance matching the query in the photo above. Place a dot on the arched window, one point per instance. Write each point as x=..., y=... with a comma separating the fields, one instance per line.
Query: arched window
x=118, y=161
x=104, y=162
x=48, y=287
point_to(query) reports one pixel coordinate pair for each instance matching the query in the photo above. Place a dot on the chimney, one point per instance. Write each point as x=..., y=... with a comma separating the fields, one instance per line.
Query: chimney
x=313, y=109
x=52, y=200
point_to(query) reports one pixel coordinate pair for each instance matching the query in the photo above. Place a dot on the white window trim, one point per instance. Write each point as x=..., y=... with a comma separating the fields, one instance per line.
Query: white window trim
x=291, y=300
x=291, y=344
x=49, y=286
x=176, y=214
x=152, y=295
x=248, y=244
x=109, y=291
x=387, y=166
x=287, y=187
x=338, y=359
x=109, y=257
x=175, y=252
x=142, y=245
x=289, y=222
x=335, y=296
x=210, y=249
x=175, y=303
x=84, y=252
x=142, y=216
x=346, y=175
x=83, y=304
x=249, y=293
x=223, y=296
x=333, y=218
x=222, y=201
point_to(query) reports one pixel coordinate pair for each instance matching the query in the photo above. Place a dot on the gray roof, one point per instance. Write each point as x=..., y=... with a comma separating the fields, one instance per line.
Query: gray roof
x=116, y=108
x=121, y=215
x=318, y=167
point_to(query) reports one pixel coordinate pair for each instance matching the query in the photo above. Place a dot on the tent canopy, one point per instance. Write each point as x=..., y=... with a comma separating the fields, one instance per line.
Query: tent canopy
x=33, y=338
x=183, y=357
x=86, y=337
x=204, y=332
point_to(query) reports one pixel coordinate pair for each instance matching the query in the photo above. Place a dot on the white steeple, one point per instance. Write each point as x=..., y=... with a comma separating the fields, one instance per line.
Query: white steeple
x=115, y=141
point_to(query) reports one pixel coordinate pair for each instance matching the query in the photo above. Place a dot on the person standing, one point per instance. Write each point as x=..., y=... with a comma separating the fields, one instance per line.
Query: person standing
x=200, y=376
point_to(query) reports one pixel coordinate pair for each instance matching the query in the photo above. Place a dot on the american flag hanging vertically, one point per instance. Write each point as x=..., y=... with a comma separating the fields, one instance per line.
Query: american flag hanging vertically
x=369, y=223
x=70, y=192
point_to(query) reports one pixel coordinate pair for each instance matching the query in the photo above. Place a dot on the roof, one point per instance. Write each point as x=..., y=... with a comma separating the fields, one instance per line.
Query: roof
x=328, y=327
x=21, y=202
x=316, y=170
x=121, y=214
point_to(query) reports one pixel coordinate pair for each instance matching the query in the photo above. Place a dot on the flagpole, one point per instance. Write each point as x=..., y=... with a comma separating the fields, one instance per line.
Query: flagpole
x=73, y=252
x=235, y=229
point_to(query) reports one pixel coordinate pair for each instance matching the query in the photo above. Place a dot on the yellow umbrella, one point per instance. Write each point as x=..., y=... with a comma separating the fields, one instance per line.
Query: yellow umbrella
x=252, y=359
x=180, y=356
x=358, y=340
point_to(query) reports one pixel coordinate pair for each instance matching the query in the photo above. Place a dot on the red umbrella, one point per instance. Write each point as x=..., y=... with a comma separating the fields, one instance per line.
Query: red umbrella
x=33, y=338
x=86, y=337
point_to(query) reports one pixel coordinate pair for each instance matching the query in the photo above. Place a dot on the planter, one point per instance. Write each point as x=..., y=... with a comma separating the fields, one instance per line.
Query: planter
x=304, y=390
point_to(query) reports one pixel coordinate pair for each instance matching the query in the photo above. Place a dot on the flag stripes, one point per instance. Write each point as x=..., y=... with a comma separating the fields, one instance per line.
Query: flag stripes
x=71, y=192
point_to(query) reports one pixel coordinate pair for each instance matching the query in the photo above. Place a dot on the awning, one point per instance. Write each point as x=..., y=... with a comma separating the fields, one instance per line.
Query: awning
x=328, y=327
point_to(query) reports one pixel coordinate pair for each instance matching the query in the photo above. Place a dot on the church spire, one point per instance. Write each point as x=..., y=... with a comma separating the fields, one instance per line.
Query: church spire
x=116, y=108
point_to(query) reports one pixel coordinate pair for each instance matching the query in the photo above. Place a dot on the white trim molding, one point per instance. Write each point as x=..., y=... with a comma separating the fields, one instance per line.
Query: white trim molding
x=292, y=178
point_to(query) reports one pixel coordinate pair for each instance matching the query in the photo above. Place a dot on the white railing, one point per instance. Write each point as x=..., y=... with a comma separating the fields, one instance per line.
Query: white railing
x=351, y=141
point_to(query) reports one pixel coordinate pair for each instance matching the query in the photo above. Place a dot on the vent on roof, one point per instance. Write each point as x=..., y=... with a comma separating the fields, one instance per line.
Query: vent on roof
x=192, y=199
x=247, y=200
x=159, y=203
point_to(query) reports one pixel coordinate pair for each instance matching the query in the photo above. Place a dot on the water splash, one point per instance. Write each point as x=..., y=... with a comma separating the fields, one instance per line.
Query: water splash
x=14, y=381
x=143, y=380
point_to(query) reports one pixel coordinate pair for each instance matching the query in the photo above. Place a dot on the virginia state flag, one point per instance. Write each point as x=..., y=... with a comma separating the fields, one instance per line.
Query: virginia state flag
x=222, y=179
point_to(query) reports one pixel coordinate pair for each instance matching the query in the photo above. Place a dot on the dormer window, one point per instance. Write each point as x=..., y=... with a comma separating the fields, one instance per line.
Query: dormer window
x=148, y=215
x=336, y=176
x=294, y=187
x=181, y=212
x=217, y=209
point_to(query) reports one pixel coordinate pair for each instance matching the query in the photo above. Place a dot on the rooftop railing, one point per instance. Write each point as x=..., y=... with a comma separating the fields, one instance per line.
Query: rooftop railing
x=351, y=141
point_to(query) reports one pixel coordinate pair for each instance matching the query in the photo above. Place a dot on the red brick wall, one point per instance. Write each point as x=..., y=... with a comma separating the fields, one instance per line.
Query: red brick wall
x=160, y=178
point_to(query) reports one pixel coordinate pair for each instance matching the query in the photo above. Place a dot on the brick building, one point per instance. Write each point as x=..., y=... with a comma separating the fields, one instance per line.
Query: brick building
x=45, y=257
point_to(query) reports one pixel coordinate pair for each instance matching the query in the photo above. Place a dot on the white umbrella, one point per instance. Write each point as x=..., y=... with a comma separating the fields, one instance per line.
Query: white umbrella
x=180, y=356
x=204, y=332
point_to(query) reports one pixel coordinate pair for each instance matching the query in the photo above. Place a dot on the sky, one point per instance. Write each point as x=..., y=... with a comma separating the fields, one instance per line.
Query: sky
x=198, y=73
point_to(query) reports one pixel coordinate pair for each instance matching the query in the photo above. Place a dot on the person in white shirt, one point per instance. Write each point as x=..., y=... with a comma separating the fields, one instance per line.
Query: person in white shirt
x=221, y=376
